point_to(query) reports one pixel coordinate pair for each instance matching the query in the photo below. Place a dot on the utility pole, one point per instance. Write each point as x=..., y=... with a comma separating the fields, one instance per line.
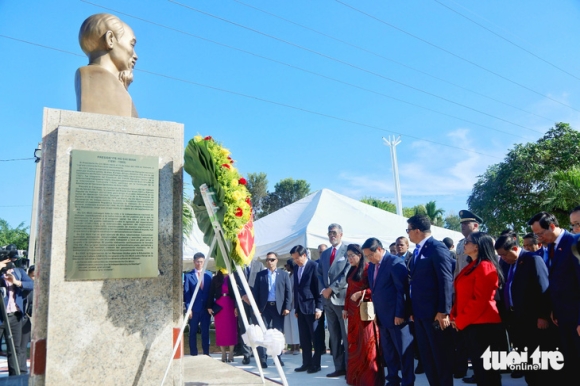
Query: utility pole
x=34, y=216
x=392, y=142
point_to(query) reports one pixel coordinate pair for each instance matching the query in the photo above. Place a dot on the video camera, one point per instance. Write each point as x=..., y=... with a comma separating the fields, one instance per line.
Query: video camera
x=9, y=252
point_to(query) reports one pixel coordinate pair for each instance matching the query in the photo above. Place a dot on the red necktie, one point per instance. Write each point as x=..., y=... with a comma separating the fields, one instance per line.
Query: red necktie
x=332, y=255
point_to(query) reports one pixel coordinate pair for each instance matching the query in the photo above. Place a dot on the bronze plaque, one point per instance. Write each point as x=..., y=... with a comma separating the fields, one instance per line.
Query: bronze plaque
x=112, y=216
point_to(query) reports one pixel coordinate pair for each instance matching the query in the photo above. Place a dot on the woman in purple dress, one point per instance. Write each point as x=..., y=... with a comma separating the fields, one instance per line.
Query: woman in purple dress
x=225, y=316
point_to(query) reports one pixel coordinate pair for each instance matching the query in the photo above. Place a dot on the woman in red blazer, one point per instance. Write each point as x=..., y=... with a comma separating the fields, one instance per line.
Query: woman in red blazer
x=475, y=310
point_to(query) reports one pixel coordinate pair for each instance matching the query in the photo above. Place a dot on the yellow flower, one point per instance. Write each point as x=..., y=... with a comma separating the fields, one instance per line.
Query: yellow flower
x=225, y=151
x=198, y=138
x=237, y=195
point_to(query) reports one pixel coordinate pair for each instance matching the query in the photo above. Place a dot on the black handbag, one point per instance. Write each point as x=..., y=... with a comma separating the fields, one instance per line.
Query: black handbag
x=216, y=309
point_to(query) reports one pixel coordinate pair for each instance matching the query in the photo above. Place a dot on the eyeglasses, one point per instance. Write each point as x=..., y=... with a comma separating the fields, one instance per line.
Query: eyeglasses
x=408, y=230
x=333, y=233
x=351, y=255
x=467, y=241
x=271, y=260
x=575, y=224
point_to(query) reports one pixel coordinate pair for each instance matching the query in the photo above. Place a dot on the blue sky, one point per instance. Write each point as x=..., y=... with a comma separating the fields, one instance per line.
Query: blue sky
x=306, y=89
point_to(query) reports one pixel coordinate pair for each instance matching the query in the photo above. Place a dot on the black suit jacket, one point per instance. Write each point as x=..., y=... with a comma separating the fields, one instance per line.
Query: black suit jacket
x=431, y=280
x=529, y=288
x=307, y=297
x=564, y=272
x=283, y=290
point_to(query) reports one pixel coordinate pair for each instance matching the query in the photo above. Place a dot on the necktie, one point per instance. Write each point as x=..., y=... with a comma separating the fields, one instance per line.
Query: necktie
x=550, y=254
x=300, y=269
x=375, y=275
x=200, y=278
x=416, y=253
x=332, y=255
x=506, y=288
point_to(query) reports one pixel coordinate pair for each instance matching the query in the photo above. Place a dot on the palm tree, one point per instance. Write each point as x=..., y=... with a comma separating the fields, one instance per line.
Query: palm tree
x=434, y=213
x=565, y=187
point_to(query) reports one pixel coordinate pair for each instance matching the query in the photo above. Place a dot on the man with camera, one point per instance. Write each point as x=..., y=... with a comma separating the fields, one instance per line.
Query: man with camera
x=15, y=285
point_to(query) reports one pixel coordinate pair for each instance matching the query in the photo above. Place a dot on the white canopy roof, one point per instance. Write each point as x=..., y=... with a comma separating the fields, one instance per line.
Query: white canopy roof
x=306, y=221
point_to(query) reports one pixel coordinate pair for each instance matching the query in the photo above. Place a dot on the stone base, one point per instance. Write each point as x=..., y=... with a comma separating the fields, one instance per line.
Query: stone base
x=202, y=370
x=116, y=331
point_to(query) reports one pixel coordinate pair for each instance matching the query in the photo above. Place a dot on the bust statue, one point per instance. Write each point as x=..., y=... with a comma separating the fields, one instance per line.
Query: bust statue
x=101, y=87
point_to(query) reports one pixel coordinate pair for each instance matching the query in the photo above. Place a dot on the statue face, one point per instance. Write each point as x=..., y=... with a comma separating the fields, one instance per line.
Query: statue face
x=123, y=53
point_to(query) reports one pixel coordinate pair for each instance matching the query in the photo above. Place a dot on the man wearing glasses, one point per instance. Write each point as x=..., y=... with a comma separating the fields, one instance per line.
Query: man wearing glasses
x=273, y=295
x=332, y=268
x=431, y=292
x=564, y=276
x=575, y=220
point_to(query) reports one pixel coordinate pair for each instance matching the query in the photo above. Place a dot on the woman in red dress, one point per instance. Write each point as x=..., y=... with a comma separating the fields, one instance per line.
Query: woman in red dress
x=475, y=310
x=364, y=367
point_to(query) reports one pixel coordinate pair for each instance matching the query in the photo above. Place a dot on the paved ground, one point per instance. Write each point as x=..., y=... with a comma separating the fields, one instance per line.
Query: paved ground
x=304, y=379
x=193, y=377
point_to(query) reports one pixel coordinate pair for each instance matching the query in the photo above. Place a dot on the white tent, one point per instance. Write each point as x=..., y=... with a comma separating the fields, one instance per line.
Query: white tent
x=306, y=221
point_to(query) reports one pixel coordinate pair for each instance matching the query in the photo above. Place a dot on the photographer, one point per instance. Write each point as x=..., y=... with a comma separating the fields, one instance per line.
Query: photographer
x=15, y=286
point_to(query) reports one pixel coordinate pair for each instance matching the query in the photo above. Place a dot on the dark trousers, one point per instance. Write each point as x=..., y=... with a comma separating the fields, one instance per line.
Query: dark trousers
x=241, y=348
x=397, y=347
x=461, y=356
x=15, y=321
x=436, y=352
x=272, y=319
x=570, y=348
x=479, y=338
x=309, y=331
x=202, y=319
x=24, y=340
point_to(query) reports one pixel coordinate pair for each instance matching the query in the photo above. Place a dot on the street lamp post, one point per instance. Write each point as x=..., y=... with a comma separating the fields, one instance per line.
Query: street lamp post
x=392, y=142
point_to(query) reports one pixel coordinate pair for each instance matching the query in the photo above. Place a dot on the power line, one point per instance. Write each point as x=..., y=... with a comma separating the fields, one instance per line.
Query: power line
x=393, y=61
x=15, y=159
x=279, y=104
x=354, y=66
x=454, y=55
x=13, y=206
x=312, y=72
x=506, y=39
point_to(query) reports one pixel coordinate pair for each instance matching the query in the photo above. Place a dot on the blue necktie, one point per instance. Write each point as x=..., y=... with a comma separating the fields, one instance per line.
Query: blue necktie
x=508, y=283
x=416, y=253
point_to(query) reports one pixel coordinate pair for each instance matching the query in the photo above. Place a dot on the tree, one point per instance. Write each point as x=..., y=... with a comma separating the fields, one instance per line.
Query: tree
x=17, y=236
x=566, y=187
x=453, y=222
x=285, y=193
x=434, y=213
x=384, y=205
x=417, y=209
x=258, y=188
x=509, y=193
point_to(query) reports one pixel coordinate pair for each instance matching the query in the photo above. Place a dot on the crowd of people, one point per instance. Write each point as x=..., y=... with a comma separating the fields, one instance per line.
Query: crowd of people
x=441, y=305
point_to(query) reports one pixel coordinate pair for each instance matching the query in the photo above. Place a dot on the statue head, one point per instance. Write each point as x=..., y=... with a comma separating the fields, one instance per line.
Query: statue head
x=110, y=43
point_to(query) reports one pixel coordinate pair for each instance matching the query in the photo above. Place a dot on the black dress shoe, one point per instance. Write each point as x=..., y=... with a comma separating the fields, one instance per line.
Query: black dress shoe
x=246, y=361
x=337, y=373
x=301, y=368
x=313, y=369
x=264, y=365
x=469, y=379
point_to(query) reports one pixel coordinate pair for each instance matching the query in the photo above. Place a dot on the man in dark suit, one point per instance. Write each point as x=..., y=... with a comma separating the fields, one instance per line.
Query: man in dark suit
x=308, y=305
x=16, y=285
x=525, y=299
x=332, y=268
x=389, y=283
x=564, y=274
x=402, y=248
x=272, y=292
x=431, y=292
x=198, y=316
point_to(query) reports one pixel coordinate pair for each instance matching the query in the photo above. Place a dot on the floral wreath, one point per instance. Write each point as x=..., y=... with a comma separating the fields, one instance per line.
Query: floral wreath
x=208, y=162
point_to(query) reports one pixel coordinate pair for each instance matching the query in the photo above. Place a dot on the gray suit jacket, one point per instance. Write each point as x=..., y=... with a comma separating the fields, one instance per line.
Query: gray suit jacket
x=334, y=276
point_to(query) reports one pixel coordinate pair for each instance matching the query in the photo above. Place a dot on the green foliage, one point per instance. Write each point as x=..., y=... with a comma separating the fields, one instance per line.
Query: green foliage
x=285, y=193
x=566, y=187
x=384, y=205
x=434, y=213
x=18, y=236
x=509, y=193
x=258, y=187
x=417, y=209
x=453, y=222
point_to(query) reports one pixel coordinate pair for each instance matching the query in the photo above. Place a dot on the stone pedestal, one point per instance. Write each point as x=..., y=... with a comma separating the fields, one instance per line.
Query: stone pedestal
x=114, y=331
